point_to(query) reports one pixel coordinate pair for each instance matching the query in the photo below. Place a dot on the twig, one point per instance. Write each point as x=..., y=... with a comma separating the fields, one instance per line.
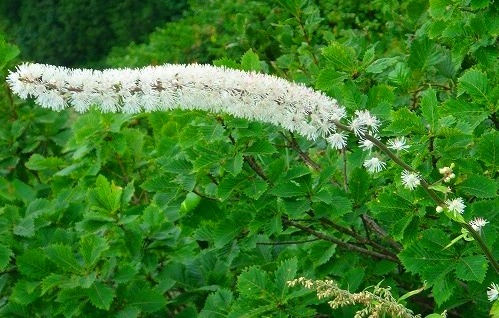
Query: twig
x=345, y=245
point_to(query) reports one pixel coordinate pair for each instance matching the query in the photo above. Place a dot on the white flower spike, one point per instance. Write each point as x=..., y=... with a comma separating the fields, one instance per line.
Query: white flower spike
x=248, y=95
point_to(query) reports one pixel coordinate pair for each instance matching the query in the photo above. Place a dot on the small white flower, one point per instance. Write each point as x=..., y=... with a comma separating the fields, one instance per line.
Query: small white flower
x=358, y=126
x=369, y=120
x=366, y=145
x=338, y=140
x=410, y=180
x=374, y=165
x=493, y=292
x=478, y=223
x=398, y=144
x=456, y=205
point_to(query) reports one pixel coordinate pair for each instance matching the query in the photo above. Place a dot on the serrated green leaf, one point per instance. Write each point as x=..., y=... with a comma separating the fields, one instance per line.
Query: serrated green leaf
x=341, y=56
x=254, y=283
x=472, y=268
x=284, y=273
x=404, y=121
x=488, y=150
x=250, y=61
x=25, y=292
x=254, y=188
x=475, y=83
x=105, y=197
x=62, y=256
x=52, y=281
x=329, y=79
x=381, y=64
x=5, y=255
x=288, y=190
x=33, y=264
x=423, y=53
x=479, y=186
x=91, y=248
x=295, y=208
x=25, y=227
x=260, y=147
x=471, y=113
x=441, y=9
x=190, y=202
x=128, y=312
x=100, y=295
x=148, y=300
x=217, y=304
x=39, y=163
x=429, y=105
x=234, y=165
x=321, y=252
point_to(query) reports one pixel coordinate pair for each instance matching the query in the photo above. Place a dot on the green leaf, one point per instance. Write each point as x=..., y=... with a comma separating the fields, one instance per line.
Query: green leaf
x=288, y=190
x=190, y=202
x=105, y=197
x=260, y=147
x=284, y=273
x=341, y=57
x=250, y=61
x=494, y=311
x=329, y=79
x=128, y=312
x=33, y=264
x=404, y=122
x=429, y=105
x=488, y=150
x=217, y=304
x=254, y=187
x=472, y=268
x=148, y=300
x=381, y=64
x=423, y=53
x=479, y=186
x=91, y=248
x=475, y=83
x=254, y=283
x=25, y=292
x=100, y=295
x=234, y=164
x=5, y=255
x=62, y=256
x=25, y=227
x=39, y=162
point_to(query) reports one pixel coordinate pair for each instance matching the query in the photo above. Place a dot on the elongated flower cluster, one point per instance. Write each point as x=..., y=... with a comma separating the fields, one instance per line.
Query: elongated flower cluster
x=246, y=95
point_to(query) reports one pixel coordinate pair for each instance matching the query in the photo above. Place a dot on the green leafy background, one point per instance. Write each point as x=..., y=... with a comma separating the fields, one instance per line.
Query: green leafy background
x=192, y=214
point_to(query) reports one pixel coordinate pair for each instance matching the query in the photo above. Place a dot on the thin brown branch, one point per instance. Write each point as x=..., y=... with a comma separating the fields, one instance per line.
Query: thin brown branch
x=340, y=243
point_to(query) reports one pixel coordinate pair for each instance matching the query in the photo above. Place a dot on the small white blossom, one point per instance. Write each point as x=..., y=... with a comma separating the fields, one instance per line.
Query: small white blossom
x=398, y=144
x=338, y=140
x=478, y=223
x=457, y=205
x=410, y=180
x=368, y=120
x=493, y=292
x=366, y=144
x=374, y=165
x=358, y=126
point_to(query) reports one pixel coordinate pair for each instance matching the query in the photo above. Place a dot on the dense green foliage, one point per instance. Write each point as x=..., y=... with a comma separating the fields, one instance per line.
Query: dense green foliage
x=189, y=214
x=82, y=32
